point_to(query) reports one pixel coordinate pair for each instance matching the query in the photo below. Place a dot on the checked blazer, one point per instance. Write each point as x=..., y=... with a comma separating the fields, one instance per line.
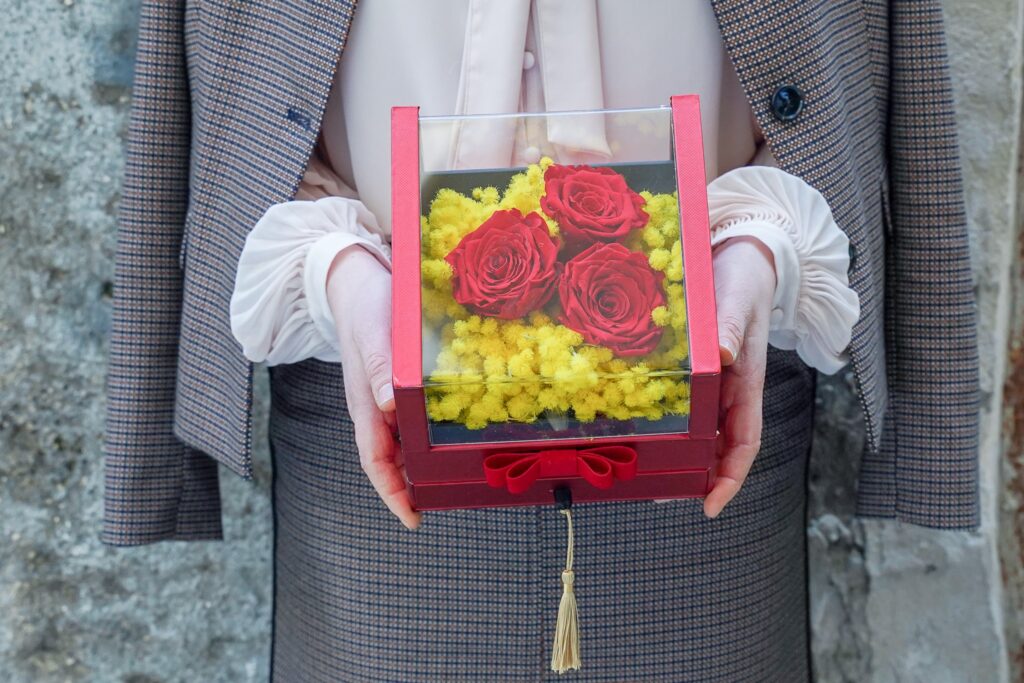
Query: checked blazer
x=227, y=102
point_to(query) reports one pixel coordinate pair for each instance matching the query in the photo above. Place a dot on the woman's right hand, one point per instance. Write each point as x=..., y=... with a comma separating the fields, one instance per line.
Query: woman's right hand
x=359, y=294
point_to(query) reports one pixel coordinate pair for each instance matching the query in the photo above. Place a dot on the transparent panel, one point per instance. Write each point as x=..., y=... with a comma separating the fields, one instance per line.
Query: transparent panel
x=553, y=299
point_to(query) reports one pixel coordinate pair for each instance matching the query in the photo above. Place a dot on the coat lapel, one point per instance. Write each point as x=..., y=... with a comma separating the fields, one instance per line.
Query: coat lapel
x=261, y=72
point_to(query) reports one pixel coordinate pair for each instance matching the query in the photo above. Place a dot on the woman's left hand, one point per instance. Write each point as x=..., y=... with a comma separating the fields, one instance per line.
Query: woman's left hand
x=744, y=289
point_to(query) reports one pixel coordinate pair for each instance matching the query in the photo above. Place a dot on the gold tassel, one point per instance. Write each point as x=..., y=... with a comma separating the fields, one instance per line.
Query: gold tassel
x=565, y=655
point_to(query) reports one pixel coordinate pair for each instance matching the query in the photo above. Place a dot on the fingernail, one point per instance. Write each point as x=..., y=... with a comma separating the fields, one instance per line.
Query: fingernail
x=385, y=394
x=727, y=346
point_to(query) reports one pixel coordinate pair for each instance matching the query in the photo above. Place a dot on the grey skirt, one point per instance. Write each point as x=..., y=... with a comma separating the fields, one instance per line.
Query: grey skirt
x=664, y=593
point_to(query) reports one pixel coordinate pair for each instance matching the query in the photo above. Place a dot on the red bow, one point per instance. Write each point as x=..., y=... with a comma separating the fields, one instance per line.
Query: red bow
x=599, y=466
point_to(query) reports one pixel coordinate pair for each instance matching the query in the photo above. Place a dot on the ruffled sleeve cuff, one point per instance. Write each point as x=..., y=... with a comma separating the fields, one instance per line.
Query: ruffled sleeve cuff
x=814, y=308
x=279, y=308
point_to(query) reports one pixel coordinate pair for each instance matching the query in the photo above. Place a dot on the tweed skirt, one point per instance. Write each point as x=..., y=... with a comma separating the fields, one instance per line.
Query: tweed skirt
x=664, y=593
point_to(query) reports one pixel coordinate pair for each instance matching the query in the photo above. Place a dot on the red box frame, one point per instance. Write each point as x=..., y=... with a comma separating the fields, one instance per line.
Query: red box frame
x=668, y=466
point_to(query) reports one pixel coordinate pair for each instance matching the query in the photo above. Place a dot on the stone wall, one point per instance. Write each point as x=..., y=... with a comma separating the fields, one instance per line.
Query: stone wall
x=888, y=602
x=70, y=608
x=898, y=603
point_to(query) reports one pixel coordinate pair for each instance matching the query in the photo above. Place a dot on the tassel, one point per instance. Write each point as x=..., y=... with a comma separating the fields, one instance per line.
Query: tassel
x=565, y=654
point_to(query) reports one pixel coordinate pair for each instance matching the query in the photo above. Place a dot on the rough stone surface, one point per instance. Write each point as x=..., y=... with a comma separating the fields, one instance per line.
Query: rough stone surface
x=70, y=608
x=889, y=603
x=839, y=583
x=835, y=544
x=986, y=60
x=893, y=602
x=1011, y=507
x=929, y=612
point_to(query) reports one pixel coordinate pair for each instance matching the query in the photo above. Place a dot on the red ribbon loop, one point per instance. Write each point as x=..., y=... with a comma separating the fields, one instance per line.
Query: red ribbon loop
x=600, y=466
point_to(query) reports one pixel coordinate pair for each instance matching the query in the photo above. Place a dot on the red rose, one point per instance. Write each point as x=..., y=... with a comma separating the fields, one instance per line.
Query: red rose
x=507, y=267
x=608, y=293
x=591, y=204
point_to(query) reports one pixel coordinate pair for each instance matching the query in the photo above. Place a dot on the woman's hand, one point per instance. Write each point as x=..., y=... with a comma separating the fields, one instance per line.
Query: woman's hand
x=359, y=293
x=744, y=289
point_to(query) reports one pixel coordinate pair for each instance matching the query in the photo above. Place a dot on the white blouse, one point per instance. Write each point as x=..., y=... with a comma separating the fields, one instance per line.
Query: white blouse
x=491, y=56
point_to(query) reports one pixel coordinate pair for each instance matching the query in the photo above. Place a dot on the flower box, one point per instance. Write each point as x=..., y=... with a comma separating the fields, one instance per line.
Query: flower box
x=544, y=336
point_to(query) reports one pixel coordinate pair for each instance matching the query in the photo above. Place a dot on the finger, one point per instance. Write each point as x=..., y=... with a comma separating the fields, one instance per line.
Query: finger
x=742, y=400
x=376, y=360
x=391, y=420
x=744, y=277
x=732, y=327
x=734, y=313
x=387, y=478
x=374, y=345
x=399, y=459
x=742, y=443
x=377, y=446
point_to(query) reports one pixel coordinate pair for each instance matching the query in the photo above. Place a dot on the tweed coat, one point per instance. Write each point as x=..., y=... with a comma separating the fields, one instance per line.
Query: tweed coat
x=227, y=102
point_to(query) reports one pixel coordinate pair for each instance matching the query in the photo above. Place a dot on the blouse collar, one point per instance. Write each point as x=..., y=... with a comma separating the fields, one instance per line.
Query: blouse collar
x=568, y=55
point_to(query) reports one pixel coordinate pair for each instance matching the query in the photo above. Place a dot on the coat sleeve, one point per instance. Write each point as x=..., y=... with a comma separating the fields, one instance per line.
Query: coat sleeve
x=930, y=439
x=156, y=488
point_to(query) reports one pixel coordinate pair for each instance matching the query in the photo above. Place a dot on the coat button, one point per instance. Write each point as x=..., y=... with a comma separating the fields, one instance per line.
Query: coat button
x=853, y=256
x=787, y=102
